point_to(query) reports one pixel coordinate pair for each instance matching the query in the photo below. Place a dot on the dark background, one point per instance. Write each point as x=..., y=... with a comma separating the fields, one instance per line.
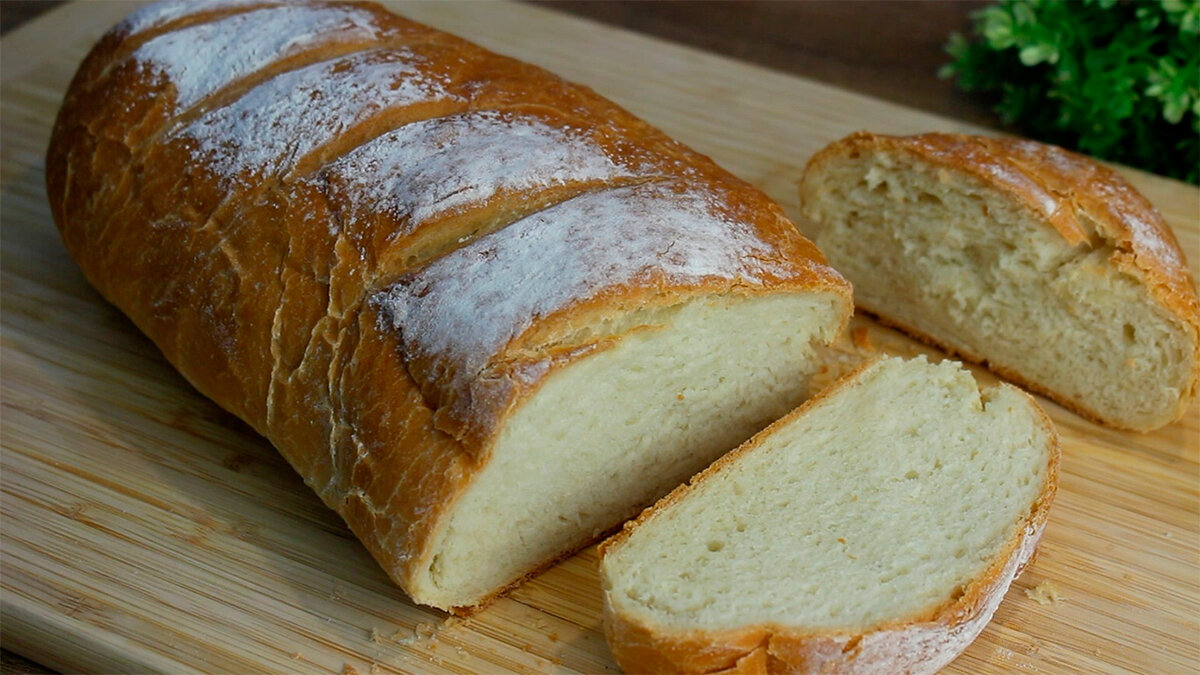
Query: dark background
x=890, y=49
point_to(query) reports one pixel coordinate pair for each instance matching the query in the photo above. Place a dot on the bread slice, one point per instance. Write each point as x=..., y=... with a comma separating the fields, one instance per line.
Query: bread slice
x=1040, y=262
x=874, y=529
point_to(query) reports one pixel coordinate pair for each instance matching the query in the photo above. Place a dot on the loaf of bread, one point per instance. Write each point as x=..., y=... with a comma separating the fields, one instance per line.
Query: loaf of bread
x=873, y=530
x=1042, y=263
x=484, y=312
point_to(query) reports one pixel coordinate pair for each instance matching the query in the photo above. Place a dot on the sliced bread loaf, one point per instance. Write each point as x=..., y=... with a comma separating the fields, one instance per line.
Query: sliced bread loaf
x=1042, y=263
x=485, y=313
x=874, y=529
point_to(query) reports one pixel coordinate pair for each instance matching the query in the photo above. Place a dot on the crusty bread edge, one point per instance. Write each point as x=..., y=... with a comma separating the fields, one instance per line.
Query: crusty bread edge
x=922, y=643
x=1171, y=286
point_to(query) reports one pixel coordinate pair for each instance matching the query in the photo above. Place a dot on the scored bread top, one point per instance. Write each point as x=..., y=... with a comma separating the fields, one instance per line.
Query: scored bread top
x=241, y=44
x=272, y=125
x=1082, y=199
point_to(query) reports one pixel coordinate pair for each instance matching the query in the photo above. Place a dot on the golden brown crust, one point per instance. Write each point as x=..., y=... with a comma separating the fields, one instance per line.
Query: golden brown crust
x=1083, y=201
x=250, y=256
x=922, y=643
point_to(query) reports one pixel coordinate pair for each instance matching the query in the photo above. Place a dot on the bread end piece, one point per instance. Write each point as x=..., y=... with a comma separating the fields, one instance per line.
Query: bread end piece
x=1041, y=263
x=647, y=640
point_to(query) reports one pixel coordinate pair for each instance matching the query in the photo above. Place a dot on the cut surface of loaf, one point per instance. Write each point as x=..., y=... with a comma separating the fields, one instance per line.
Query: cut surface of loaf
x=484, y=312
x=1044, y=264
x=875, y=529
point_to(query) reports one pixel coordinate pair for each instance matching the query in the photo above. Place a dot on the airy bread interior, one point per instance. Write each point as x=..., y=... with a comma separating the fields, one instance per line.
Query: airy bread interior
x=605, y=436
x=940, y=252
x=879, y=502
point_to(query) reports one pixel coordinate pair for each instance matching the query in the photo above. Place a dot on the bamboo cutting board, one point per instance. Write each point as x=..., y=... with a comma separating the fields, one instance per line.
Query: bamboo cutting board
x=145, y=529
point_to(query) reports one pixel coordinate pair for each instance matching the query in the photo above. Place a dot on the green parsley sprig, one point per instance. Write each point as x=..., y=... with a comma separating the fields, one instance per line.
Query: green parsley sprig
x=1119, y=80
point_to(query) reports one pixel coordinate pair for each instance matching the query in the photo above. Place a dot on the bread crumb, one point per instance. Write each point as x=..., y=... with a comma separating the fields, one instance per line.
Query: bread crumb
x=296, y=656
x=861, y=337
x=374, y=669
x=553, y=637
x=679, y=397
x=422, y=632
x=376, y=637
x=348, y=669
x=1045, y=593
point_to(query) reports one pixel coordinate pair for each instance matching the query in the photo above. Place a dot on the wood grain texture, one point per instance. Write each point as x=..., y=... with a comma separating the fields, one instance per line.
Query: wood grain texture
x=145, y=529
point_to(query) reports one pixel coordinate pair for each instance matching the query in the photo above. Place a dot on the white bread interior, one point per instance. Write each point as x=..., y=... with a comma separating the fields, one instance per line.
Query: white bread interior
x=945, y=254
x=874, y=507
x=608, y=434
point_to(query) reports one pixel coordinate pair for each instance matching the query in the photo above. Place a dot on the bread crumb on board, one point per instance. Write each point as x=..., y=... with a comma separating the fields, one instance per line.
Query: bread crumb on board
x=421, y=633
x=1045, y=593
x=861, y=337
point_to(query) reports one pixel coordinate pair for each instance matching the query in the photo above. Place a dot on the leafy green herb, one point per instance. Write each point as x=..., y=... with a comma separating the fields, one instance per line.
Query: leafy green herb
x=1119, y=80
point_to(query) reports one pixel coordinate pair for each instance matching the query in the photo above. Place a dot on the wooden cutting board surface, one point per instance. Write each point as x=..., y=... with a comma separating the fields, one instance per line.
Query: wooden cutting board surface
x=146, y=529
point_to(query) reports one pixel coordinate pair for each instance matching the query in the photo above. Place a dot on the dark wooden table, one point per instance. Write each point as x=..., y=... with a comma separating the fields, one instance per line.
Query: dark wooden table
x=884, y=48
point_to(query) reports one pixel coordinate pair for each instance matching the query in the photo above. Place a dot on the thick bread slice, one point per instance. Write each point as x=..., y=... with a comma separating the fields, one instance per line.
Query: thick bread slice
x=484, y=312
x=875, y=529
x=1040, y=262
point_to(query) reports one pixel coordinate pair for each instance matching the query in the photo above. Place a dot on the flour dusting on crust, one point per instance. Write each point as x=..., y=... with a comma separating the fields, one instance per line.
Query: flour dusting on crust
x=161, y=13
x=199, y=60
x=947, y=149
x=1070, y=175
x=463, y=308
x=290, y=115
x=427, y=169
x=1124, y=204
